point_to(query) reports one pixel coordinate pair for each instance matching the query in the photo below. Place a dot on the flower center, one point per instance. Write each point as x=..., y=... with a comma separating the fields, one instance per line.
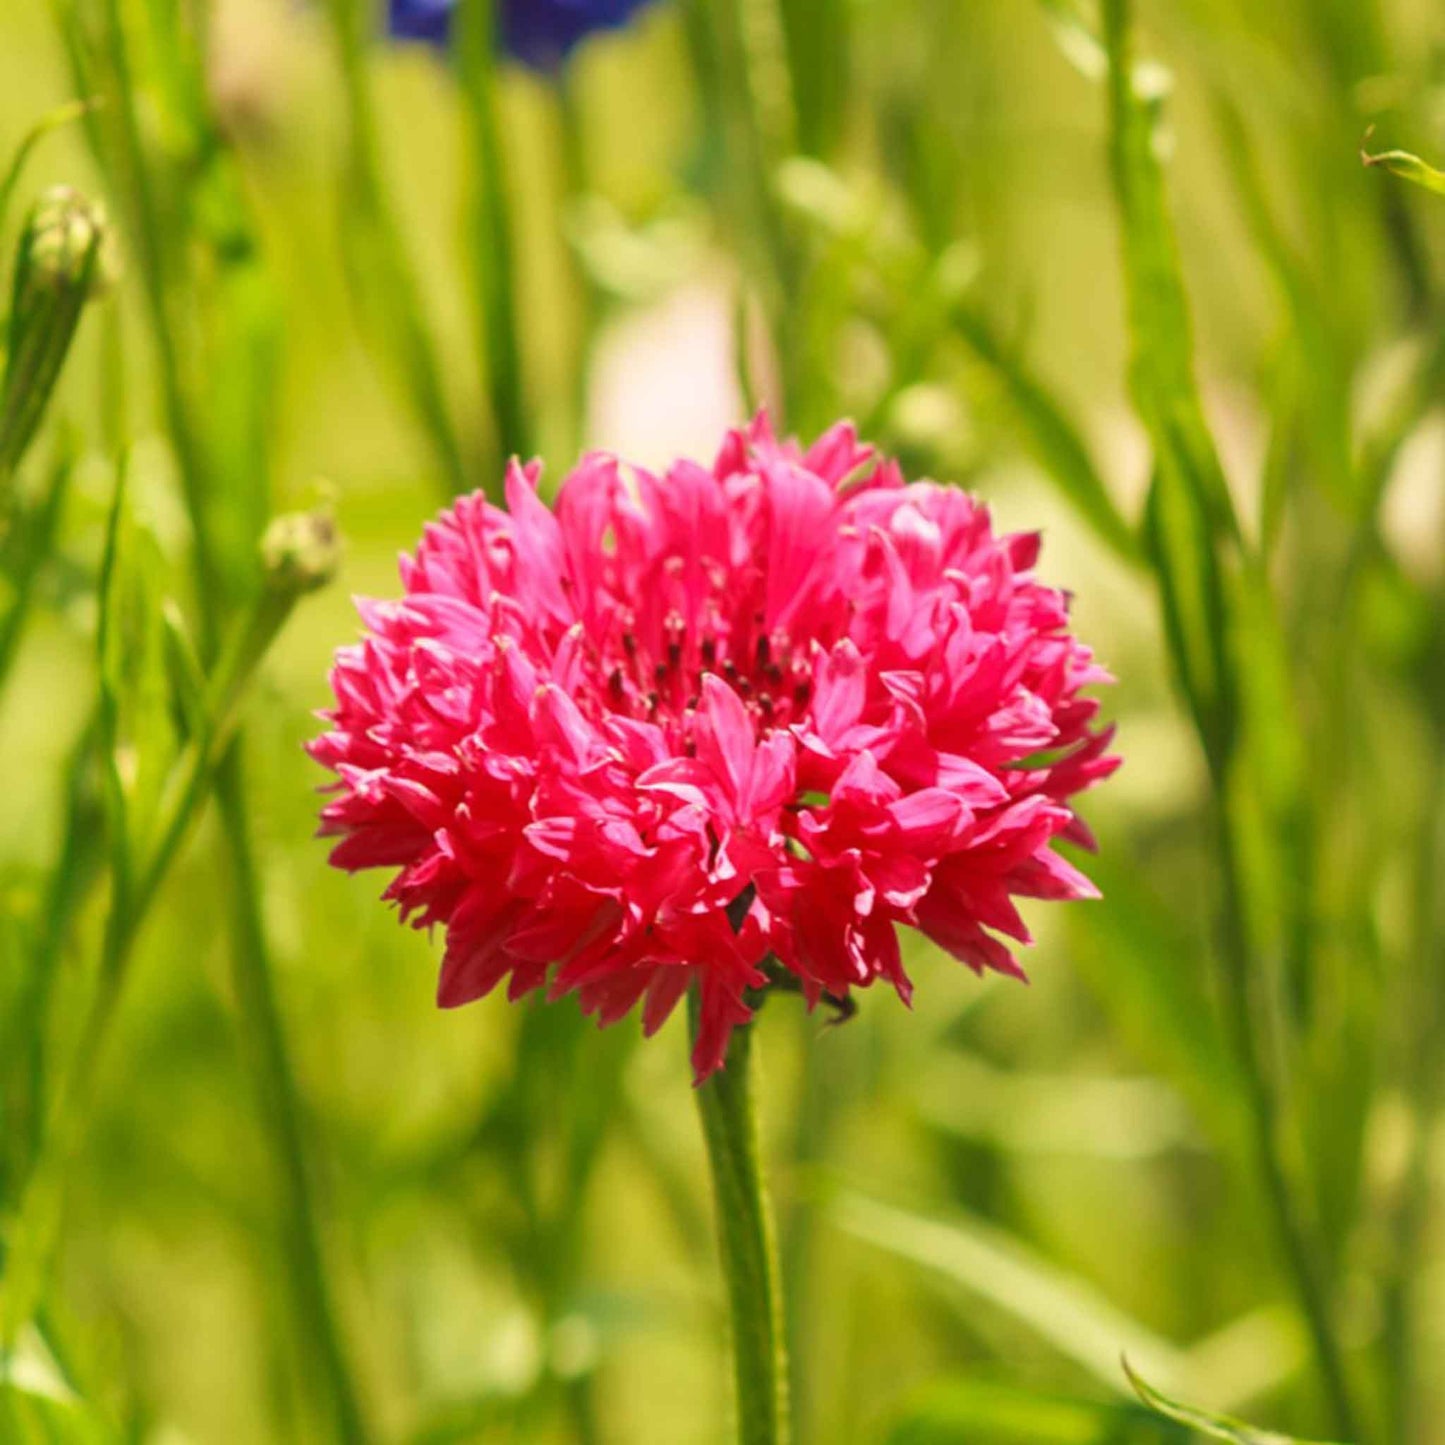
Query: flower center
x=658, y=679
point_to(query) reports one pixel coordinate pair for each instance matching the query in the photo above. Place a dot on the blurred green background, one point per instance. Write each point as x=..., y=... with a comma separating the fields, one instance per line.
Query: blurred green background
x=900, y=210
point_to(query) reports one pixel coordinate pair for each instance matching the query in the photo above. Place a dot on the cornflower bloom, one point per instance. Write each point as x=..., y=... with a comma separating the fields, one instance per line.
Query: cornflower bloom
x=541, y=33
x=723, y=729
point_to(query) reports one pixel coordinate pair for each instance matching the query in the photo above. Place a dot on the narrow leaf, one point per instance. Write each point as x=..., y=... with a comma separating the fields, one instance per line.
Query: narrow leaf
x=1066, y=1311
x=38, y=1404
x=139, y=733
x=1049, y=434
x=1162, y=365
x=982, y=1412
x=1216, y=1427
x=28, y=548
x=1190, y=515
x=62, y=115
x=1408, y=167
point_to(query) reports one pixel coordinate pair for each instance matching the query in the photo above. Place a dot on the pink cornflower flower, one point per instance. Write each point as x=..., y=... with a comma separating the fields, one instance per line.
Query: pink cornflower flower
x=726, y=728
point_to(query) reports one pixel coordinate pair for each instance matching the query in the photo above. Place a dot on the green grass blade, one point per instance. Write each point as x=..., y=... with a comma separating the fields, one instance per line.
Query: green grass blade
x=1216, y=1427
x=1312, y=338
x=984, y=1412
x=493, y=262
x=1065, y=1311
x=1162, y=366
x=1408, y=167
x=74, y=873
x=28, y=549
x=1193, y=529
x=1190, y=512
x=378, y=267
x=1165, y=1012
x=819, y=38
x=1049, y=434
x=264, y=1041
x=53, y=120
x=143, y=741
x=39, y=1406
x=1196, y=611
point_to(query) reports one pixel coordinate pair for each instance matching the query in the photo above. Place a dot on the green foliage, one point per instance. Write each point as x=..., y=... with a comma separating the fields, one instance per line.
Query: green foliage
x=252, y=1187
x=979, y=1412
x=1216, y=1427
x=39, y=1406
x=1409, y=167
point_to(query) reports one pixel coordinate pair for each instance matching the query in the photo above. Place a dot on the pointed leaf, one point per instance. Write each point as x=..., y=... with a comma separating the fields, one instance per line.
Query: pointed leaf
x=52, y=120
x=38, y=1404
x=983, y=1412
x=138, y=729
x=1408, y=167
x=183, y=668
x=1162, y=364
x=1068, y=1312
x=1049, y=434
x=1216, y=1427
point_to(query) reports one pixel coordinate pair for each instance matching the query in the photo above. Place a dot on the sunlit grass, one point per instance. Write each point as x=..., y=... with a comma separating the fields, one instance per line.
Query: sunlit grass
x=1125, y=276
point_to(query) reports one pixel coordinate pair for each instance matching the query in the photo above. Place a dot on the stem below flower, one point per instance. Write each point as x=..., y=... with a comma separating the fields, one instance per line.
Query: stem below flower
x=745, y=1237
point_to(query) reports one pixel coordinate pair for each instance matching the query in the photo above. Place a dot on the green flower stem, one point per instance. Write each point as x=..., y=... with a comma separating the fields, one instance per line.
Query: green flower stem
x=740, y=52
x=492, y=253
x=1296, y=1238
x=264, y=1038
x=745, y=1238
x=1424, y=1082
x=380, y=267
x=591, y=303
x=209, y=755
x=42, y=1192
x=76, y=870
x=1193, y=526
x=42, y=524
x=212, y=757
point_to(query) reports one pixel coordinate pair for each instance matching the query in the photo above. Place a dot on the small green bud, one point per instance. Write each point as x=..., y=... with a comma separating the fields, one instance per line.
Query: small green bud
x=69, y=242
x=64, y=258
x=301, y=551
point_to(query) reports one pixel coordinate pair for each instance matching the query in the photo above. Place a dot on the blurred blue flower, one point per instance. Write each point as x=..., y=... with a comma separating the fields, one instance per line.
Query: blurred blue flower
x=539, y=32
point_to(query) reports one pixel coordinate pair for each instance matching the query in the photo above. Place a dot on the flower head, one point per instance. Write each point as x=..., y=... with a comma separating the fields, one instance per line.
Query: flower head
x=541, y=33
x=725, y=728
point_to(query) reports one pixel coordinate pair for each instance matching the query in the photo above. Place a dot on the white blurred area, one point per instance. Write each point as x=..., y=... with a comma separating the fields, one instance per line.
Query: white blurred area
x=664, y=384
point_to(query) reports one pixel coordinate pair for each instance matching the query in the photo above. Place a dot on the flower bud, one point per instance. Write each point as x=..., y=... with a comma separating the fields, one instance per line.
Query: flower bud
x=69, y=242
x=64, y=258
x=300, y=551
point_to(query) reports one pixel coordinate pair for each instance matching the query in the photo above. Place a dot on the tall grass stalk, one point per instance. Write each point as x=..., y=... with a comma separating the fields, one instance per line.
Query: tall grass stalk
x=1193, y=529
x=382, y=275
x=591, y=307
x=491, y=251
x=274, y=1074
x=741, y=57
x=216, y=754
